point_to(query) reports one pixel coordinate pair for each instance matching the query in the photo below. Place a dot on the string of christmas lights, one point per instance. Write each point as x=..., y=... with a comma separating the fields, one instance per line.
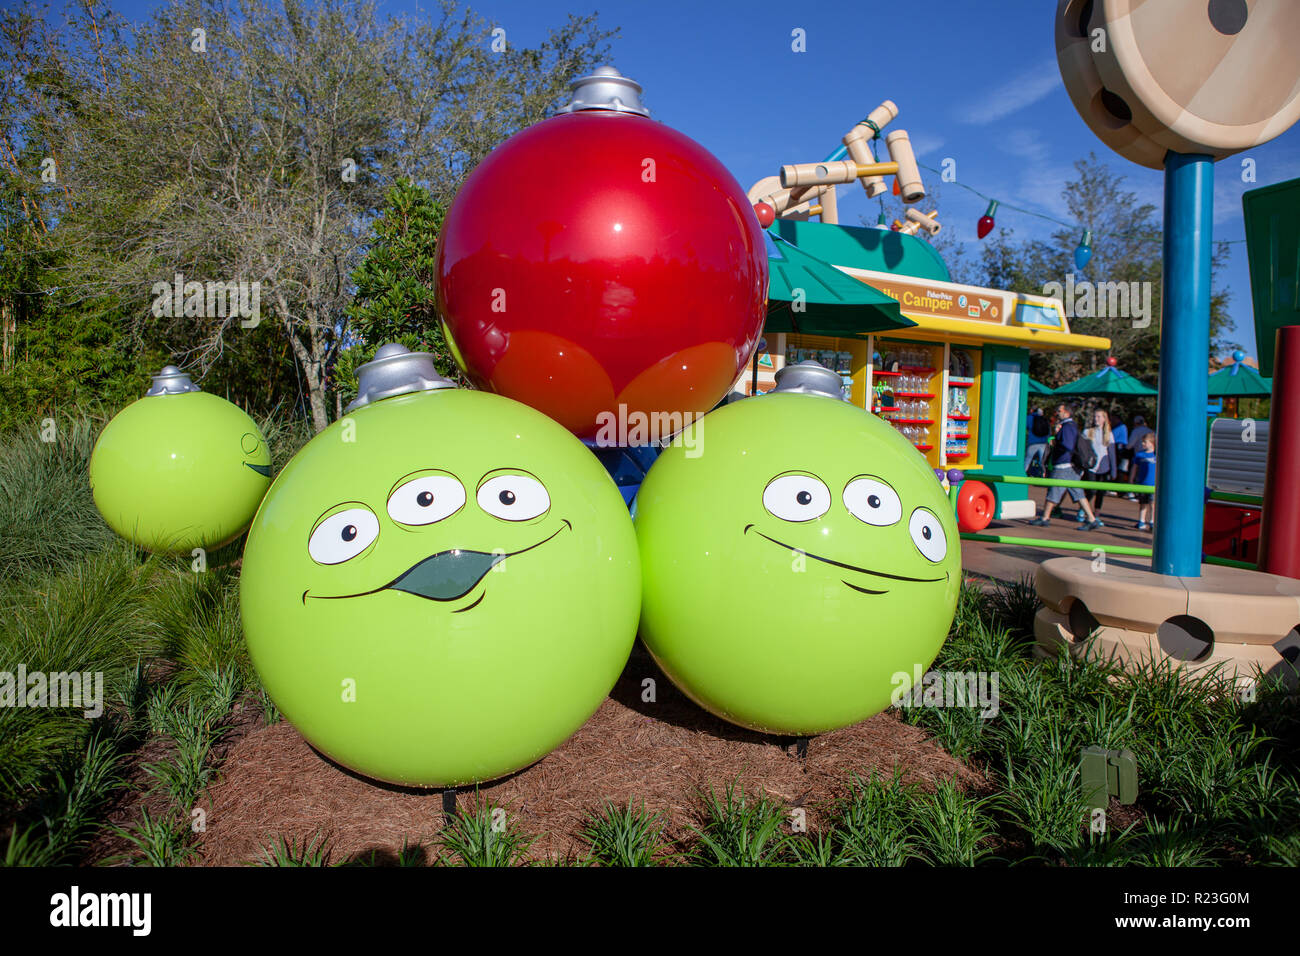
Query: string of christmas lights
x=986, y=223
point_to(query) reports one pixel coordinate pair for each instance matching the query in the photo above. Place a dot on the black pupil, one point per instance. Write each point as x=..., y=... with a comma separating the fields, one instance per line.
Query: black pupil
x=873, y=500
x=803, y=498
x=507, y=497
x=424, y=498
x=350, y=532
x=925, y=533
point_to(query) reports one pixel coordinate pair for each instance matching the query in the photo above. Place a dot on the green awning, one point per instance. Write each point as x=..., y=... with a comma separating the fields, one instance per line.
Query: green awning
x=1239, y=380
x=1038, y=388
x=828, y=302
x=1105, y=381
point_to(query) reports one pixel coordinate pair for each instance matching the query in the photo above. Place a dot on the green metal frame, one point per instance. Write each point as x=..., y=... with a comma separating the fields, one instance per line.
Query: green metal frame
x=1058, y=545
x=999, y=470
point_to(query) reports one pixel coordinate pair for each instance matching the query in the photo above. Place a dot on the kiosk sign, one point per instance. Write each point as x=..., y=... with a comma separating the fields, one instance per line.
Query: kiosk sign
x=941, y=300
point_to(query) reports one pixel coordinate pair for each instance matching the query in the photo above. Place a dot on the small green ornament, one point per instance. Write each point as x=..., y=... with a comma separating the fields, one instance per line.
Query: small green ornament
x=179, y=469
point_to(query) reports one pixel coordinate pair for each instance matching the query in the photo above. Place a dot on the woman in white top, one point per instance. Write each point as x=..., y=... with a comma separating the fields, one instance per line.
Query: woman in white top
x=1103, y=446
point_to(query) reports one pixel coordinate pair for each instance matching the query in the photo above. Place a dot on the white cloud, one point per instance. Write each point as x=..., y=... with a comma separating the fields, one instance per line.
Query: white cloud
x=924, y=144
x=1014, y=95
x=1274, y=165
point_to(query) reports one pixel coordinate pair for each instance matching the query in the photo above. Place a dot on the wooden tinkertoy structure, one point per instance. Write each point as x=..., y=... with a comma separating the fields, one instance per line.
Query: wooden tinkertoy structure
x=804, y=190
x=1176, y=86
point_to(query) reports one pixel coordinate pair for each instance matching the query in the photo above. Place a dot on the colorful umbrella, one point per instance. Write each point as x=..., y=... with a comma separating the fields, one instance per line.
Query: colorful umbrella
x=1108, y=380
x=1239, y=380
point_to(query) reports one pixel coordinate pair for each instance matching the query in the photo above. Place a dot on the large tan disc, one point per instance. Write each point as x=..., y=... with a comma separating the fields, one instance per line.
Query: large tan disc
x=1192, y=76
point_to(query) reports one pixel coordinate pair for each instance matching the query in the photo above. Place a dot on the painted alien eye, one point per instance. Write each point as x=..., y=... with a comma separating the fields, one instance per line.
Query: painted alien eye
x=426, y=499
x=796, y=497
x=513, y=497
x=872, y=501
x=927, y=535
x=342, y=536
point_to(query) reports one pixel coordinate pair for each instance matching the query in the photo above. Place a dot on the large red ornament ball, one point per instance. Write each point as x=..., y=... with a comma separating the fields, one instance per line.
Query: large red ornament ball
x=601, y=259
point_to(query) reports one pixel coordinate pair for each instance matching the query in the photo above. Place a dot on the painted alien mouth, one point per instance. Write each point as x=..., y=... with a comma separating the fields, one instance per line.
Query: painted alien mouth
x=263, y=470
x=849, y=567
x=445, y=576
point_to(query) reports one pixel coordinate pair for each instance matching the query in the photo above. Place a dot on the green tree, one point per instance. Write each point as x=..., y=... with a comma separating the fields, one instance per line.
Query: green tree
x=394, y=298
x=1127, y=237
x=252, y=143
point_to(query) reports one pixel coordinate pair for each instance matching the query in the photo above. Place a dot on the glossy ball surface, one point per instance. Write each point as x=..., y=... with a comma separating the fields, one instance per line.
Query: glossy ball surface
x=598, y=260
x=176, y=472
x=440, y=588
x=799, y=563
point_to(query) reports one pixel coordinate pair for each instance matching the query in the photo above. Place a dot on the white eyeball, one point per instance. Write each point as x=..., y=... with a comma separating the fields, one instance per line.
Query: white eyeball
x=341, y=537
x=872, y=501
x=797, y=497
x=927, y=534
x=513, y=497
x=426, y=499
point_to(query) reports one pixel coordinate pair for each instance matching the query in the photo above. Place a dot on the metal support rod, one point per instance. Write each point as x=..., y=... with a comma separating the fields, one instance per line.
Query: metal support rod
x=1184, y=352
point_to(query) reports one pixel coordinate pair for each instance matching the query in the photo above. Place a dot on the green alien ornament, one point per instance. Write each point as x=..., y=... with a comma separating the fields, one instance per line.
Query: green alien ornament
x=179, y=469
x=799, y=560
x=442, y=586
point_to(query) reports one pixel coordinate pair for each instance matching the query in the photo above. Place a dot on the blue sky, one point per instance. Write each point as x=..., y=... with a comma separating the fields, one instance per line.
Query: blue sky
x=979, y=87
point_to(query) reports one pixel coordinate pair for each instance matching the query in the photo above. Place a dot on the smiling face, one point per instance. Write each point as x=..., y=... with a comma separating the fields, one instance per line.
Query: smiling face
x=805, y=557
x=441, y=588
x=177, y=472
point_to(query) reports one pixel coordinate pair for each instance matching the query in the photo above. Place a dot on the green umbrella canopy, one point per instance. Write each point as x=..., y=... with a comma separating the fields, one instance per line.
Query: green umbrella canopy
x=1105, y=381
x=1038, y=388
x=1239, y=380
x=833, y=303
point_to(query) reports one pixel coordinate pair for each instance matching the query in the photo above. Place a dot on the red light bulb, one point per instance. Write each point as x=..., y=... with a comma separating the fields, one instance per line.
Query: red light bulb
x=985, y=224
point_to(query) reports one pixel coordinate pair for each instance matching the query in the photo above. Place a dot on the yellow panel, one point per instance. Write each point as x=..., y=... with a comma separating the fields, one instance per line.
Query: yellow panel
x=858, y=390
x=957, y=331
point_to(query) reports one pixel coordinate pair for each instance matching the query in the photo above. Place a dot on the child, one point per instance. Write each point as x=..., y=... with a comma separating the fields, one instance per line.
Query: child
x=1143, y=472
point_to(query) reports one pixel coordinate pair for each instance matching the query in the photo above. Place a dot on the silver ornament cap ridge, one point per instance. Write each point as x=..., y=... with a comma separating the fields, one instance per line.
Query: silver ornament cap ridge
x=396, y=370
x=809, y=378
x=605, y=89
x=171, y=381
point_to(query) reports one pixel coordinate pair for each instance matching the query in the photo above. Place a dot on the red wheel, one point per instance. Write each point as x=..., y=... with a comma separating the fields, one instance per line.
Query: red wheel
x=975, y=504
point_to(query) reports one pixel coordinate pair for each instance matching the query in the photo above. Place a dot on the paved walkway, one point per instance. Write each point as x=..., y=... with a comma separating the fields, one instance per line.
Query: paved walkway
x=1008, y=562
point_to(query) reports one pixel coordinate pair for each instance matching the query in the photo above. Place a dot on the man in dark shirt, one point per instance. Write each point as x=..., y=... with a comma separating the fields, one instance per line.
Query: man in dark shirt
x=1061, y=456
x=1139, y=429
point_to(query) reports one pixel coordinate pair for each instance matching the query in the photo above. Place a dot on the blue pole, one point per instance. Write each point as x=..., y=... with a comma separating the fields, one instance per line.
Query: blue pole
x=1184, y=357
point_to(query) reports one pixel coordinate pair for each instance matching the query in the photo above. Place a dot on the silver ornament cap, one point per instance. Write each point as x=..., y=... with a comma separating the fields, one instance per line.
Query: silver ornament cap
x=171, y=381
x=605, y=89
x=396, y=370
x=809, y=378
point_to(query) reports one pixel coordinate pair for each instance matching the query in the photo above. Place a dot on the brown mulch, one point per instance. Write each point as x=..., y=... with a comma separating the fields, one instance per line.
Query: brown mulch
x=273, y=785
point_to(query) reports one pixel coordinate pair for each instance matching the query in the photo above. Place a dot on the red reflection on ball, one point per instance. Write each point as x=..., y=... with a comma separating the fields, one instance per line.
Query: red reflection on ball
x=598, y=259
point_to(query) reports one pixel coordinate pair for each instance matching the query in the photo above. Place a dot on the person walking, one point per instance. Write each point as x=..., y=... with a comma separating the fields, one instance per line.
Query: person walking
x=1107, y=462
x=1122, y=449
x=1137, y=431
x=1143, y=472
x=1037, y=431
x=1061, y=455
x=1135, y=441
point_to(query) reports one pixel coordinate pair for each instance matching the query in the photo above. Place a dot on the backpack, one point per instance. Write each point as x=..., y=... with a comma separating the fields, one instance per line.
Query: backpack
x=1039, y=429
x=1085, y=456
